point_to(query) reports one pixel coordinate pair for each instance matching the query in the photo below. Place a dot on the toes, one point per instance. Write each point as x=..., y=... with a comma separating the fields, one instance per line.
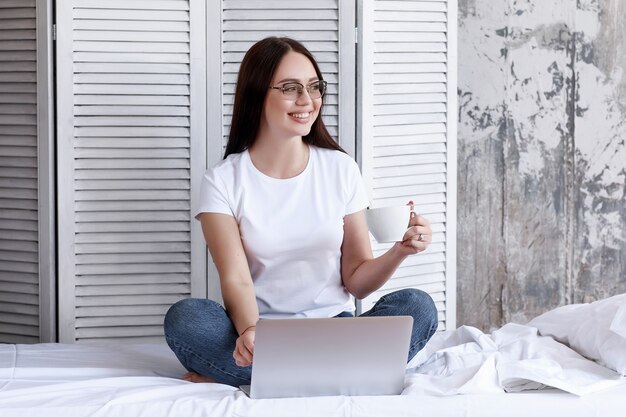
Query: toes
x=195, y=377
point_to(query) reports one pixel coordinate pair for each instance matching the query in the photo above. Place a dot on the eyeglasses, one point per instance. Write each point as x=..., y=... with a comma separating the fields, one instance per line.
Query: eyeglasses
x=293, y=90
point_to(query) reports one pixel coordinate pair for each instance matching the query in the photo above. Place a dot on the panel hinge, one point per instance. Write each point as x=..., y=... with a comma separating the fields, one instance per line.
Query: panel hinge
x=54, y=32
x=356, y=35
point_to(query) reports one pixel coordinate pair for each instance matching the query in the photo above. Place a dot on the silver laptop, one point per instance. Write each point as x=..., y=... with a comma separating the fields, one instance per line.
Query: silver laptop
x=335, y=356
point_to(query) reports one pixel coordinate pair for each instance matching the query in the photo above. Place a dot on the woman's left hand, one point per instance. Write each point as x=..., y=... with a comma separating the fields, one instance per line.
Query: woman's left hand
x=418, y=236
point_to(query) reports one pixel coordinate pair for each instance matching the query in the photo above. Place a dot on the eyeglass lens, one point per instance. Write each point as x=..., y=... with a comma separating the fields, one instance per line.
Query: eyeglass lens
x=294, y=90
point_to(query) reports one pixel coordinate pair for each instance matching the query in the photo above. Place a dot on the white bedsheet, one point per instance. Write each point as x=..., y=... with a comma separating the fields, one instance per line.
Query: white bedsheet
x=166, y=397
x=132, y=380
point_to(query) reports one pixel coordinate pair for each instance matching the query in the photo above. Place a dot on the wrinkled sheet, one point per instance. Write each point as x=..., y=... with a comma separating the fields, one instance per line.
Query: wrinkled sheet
x=512, y=358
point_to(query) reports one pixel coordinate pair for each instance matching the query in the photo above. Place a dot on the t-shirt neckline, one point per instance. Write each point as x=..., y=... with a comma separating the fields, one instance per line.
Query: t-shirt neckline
x=266, y=177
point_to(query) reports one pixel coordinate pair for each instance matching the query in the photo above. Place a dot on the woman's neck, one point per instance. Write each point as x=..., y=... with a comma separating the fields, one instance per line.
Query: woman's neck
x=278, y=158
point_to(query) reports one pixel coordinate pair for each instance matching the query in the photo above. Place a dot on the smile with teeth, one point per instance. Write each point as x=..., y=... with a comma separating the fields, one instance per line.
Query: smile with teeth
x=300, y=115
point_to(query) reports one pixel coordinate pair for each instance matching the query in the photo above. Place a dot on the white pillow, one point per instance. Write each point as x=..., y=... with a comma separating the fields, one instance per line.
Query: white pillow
x=596, y=330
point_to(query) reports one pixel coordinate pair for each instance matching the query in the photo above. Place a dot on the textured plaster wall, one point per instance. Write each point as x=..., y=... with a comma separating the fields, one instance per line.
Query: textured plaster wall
x=542, y=156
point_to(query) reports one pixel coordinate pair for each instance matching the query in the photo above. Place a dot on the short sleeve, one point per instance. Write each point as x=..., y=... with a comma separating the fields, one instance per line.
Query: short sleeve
x=213, y=195
x=356, y=193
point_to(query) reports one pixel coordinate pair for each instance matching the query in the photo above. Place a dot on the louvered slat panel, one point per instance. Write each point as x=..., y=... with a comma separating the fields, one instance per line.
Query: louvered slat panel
x=131, y=310
x=315, y=24
x=130, y=206
x=125, y=279
x=122, y=340
x=131, y=166
x=19, y=226
x=406, y=135
x=88, y=322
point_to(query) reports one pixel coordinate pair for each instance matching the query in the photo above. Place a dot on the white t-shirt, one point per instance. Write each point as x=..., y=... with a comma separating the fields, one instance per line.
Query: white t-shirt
x=291, y=229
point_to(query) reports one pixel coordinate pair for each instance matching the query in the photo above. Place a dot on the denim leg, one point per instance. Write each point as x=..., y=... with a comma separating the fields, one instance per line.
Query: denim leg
x=410, y=302
x=202, y=336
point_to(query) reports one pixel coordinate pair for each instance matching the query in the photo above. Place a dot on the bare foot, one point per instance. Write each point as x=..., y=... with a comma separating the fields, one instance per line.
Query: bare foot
x=195, y=377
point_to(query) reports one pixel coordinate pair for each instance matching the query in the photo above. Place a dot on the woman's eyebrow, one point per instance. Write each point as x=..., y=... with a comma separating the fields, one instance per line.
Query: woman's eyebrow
x=296, y=80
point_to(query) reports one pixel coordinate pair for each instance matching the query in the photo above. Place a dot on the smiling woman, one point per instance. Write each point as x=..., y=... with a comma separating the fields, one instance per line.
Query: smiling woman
x=254, y=107
x=283, y=217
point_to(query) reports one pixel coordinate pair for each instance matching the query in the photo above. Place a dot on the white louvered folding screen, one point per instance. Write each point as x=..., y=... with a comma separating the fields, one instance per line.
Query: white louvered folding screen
x=407, y=63
x=131, y=146
x=19, y=226
x=325, y=27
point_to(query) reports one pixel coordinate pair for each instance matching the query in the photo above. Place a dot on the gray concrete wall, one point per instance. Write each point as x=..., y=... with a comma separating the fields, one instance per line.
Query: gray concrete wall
x=542, y=156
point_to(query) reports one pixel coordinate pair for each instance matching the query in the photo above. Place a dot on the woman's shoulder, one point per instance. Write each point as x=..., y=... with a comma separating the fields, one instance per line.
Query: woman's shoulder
x=336, y=161
x=227, y=166
x=333, y=156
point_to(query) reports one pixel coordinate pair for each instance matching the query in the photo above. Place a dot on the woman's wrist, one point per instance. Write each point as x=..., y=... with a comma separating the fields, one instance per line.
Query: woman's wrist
x=397, y=251
x=247, y=328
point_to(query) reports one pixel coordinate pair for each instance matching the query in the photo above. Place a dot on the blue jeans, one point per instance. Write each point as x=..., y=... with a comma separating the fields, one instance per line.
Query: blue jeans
x=203, y=338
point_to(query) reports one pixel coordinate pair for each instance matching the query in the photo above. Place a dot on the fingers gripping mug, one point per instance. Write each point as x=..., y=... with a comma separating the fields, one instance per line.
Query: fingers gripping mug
x=388, y=224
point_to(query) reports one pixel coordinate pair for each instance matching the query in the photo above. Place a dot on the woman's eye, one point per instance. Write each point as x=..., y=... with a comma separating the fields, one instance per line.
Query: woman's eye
x=314, y=87
x=290, y=88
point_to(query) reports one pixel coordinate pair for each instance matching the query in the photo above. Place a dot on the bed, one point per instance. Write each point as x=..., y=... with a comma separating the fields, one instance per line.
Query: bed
x=463, y=372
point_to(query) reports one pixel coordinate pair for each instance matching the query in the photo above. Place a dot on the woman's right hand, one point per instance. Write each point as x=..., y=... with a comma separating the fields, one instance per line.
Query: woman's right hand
x=244, y=347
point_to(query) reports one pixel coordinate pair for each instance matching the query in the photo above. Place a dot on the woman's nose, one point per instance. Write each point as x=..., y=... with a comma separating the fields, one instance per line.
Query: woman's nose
x=304, y=97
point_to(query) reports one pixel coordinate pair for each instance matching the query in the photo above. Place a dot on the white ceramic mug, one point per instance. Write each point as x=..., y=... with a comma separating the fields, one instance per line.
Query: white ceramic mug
x=388, y=224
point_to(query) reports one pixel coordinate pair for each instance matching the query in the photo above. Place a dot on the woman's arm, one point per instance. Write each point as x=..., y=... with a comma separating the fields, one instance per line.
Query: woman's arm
x=362, y=274
x=221, y=233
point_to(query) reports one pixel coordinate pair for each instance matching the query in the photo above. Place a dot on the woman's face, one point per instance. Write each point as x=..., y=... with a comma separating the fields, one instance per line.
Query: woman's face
x=289, y=118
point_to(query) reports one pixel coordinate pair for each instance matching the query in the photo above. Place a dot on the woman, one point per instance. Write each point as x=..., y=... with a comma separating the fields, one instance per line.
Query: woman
x=283, y=219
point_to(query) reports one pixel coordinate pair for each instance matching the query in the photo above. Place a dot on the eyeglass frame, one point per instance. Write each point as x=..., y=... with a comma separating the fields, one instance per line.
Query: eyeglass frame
x=302, y=88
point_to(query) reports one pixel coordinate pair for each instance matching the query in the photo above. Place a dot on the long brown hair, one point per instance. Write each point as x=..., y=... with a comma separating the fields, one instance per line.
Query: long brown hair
x=255, y=75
